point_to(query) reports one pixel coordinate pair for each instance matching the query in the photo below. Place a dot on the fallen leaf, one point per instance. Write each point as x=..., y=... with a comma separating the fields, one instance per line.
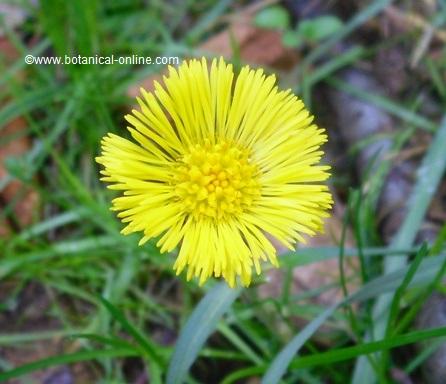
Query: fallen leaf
x=20, y=143
x=257, y=47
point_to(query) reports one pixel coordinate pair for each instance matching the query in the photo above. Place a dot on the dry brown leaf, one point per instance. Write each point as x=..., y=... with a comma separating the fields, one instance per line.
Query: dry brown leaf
x=24, y=209
x=257, y=46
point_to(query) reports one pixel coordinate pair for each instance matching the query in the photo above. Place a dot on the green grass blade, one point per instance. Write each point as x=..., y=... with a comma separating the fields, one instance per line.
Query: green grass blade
x=384, y=103
x=347, y=353
x=374, y=288
x=29, y=102
x=414, y=309
x=145, y=343
x=423, y=355
x=307, y=256
x=66, y=359
x=239, y=343
x=63, y=248
x=428, y=178
x=207, y=20
x=401, y=289
x=110, y=341
x=283, y=359
x=356, y=21
x=202, y=322
x=243, y=373
x=53, y=222
x=29, y=337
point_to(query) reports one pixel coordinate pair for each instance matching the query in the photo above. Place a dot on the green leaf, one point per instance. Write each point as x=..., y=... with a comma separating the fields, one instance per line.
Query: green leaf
x=292, y=38
x=199, y=326
x=319, y=28
x=274, y=17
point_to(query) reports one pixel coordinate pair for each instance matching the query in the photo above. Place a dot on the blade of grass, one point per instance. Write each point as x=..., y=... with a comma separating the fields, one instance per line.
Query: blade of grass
x=353, y=210
x=384, y=103
x=20, y=64
x=149, y=348
x=110, y=341
x=52, y=223
x=66, y=359
x=16, y=338
x=308, y=80
x=399, y=292
x=428, y=178
x=240, y=344
x=414, y=309
x=281, y=362
x=150, y=352
x=376, y=287
x=206, y=21
x=356, y=21
x=63, y=248
x=223, y=354
x=437, y=80
x=32, y=100
x=342, y=354
x=197, y=329
x=342, y=278
x=423, y=355
x=307, y=256
x=395, y=305
x=235, y=377
x=334, y=65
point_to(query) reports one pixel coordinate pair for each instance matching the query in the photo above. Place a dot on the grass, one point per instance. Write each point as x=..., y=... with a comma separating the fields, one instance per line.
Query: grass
x=113, y=302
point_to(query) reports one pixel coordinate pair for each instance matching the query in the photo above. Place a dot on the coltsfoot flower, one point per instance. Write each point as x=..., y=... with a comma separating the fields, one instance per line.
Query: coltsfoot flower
x=217, y=162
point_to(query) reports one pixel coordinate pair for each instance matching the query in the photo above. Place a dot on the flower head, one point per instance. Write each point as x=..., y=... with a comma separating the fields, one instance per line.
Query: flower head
x=216, y=163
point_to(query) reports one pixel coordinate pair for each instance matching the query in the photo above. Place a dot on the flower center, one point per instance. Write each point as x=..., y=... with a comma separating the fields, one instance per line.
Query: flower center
x=216, y=180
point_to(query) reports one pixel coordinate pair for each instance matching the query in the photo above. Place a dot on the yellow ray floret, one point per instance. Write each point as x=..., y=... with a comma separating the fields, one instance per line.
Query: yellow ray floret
x=217, y=163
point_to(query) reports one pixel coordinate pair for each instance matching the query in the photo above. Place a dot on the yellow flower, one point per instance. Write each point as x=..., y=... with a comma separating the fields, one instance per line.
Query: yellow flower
x=217, y=162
